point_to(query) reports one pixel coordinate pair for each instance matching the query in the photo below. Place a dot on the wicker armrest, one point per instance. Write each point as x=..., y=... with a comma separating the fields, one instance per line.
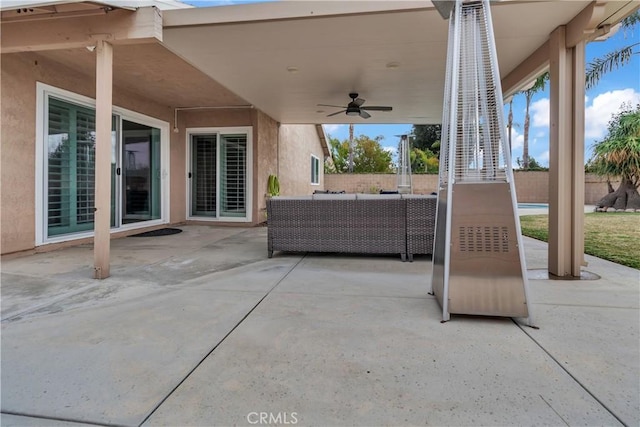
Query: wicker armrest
x=421, y=217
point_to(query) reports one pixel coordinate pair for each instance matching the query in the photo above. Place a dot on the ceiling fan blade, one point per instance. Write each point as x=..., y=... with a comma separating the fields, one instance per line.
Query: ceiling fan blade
x=364, y=114
x=376, y=108
x=336, y=113
x=334, y=106
x=358, y=101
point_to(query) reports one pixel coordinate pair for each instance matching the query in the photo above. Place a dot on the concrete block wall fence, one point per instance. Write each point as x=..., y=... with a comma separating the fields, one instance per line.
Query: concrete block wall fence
x=531, y=186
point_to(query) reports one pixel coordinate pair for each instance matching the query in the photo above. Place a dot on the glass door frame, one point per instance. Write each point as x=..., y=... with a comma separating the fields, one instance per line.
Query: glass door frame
x=43, y=93
x=142, y=136
x=165, y=181
x=219, y=132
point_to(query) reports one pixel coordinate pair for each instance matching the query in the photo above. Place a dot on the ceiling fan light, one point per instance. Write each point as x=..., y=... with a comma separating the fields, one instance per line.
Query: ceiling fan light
x=353, y=111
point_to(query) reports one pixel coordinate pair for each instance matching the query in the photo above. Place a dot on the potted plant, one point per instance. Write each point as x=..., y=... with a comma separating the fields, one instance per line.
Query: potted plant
x=273, y=186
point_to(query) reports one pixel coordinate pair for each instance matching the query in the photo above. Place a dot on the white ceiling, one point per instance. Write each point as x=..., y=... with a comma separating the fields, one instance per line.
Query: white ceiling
x=390, y=52
x=335, y=50
x=152, y=72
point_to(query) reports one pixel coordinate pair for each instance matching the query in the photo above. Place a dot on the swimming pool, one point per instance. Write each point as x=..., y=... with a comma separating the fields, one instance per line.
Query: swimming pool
x=533, y=206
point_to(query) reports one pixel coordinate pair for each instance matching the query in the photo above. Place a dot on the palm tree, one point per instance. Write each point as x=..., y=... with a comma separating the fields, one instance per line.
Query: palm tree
x=538, y=85
x=510, y=121
x=511, y=124
x=618, y=155
x=595, y=70
x=613, y=60
x=350, y=147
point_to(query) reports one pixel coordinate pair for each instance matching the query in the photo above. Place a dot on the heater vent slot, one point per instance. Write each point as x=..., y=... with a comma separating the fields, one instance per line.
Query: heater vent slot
x=484, y=239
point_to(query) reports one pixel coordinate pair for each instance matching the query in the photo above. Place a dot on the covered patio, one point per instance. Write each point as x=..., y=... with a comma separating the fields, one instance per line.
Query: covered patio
x=273, y=63
x=201, y=328
x=394, y=53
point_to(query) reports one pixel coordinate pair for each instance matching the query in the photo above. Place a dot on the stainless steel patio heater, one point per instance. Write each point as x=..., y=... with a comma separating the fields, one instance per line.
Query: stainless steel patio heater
x=404, y=166
x=478, y=260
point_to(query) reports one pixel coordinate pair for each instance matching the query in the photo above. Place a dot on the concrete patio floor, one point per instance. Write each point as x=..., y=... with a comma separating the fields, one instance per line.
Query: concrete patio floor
x=202, y=329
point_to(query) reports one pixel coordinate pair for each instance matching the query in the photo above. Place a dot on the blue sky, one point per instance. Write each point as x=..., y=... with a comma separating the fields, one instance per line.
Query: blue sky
x=615, y=88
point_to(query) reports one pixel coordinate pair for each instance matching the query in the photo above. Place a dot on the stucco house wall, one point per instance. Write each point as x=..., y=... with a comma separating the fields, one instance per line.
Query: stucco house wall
x=20, y=74
x=297, y=144
x=266, y=158
x=194, y=119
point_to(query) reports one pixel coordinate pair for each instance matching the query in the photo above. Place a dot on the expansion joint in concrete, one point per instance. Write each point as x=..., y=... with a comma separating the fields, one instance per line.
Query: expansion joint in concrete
x=58, y=419
x=164, y=399
x=573, y=377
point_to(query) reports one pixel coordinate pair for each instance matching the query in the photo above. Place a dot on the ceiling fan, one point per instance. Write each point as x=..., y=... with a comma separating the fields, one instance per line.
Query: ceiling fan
x=355, y=108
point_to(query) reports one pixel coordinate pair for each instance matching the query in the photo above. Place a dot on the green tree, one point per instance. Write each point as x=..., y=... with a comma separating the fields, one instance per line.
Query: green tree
x=618, y=155
x=613, y=60
x=339, y=154
x=533, y=164
x=426, y=136
x=368, y=155
x=423, y=161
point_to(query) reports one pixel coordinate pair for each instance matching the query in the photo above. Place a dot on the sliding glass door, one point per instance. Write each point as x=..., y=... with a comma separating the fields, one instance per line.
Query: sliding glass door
x=71, y=164
x=68, y=181
x=204, y=175
x=218, y=176
x=233, y=172
x=141, y=173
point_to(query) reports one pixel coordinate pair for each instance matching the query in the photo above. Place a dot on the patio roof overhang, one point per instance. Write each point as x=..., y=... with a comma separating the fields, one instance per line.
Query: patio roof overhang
x=60, y=32
x=287, y=57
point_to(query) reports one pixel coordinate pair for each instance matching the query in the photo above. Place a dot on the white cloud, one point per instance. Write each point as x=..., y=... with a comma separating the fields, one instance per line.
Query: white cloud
x=393, y=151
x=517, y=139
x=535, y=144
x=543, y=158
x=598, y=112
x=390, y=149
x=332, y=128
x=540, y=113
x=603, y=106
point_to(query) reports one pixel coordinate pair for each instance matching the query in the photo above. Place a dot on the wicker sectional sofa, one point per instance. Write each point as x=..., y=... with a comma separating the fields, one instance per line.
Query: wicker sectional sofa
x=352, y=223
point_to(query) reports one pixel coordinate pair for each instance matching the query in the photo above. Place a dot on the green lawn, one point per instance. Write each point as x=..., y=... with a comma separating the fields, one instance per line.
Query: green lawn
x=614, y=236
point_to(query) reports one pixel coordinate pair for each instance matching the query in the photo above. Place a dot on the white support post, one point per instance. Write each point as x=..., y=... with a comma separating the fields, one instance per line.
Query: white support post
x=102, y=214
x=577, y=200
x=561, y=155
